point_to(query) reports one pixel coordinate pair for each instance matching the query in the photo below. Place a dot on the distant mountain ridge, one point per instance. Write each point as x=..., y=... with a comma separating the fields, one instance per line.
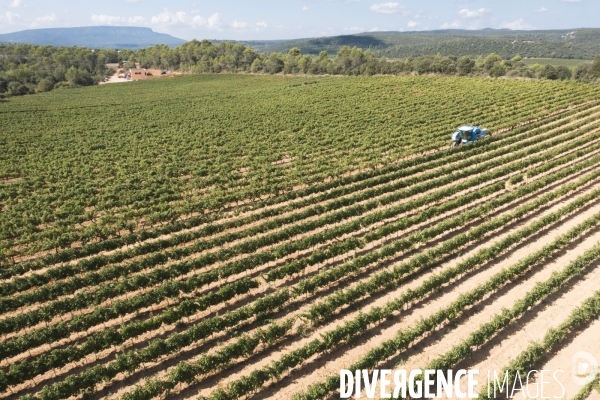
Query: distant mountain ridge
x=119, y=37
x=580, y=43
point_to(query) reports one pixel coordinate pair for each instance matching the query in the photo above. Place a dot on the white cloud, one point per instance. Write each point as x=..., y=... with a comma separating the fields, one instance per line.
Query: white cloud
x=46, y=18
x=305, y=8
x=466, y=13
x=102, y=19
x=44, y=21
x=412, y=24
x=420, y=14
x=261, y=24
x=515, y=25
x=451, y=25
x=107, y=19
x=354, y=29
x=10, y=17
x=389, y=8
x=239, y=25
x=16, y=3
x=541, y=10
x=169, y=18
x=136, y=20
x=375, y=29
x=214, y=21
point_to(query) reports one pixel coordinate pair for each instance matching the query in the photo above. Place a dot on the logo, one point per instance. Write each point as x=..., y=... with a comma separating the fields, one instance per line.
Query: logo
x=585, y=368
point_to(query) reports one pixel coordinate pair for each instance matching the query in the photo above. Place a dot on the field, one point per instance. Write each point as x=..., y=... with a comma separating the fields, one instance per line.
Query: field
x=555, y=62
x=231, y=236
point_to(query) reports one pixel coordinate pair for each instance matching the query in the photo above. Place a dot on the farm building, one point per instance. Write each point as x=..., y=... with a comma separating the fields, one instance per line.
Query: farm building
x=137, y=73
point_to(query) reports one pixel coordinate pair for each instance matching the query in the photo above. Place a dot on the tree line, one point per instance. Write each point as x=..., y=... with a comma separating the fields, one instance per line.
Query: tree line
x=27, y=69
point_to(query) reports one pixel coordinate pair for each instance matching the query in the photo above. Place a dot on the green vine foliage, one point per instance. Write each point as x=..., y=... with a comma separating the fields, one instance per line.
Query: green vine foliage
x=221, y=212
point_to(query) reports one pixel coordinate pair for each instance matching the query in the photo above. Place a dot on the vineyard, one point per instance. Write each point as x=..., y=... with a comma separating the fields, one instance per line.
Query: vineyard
x=228, y=236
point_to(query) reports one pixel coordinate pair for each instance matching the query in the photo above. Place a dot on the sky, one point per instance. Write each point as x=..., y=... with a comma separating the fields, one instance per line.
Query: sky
x=288, y=19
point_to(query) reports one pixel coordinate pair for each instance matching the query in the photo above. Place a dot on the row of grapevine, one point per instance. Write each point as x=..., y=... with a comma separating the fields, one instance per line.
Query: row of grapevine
x=399, y=170
x=485, y=332
x=433, y=284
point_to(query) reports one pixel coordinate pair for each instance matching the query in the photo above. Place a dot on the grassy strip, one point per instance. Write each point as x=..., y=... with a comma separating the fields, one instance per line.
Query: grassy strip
x=296, y=266
x=157, y=275
x=28, y=369
x=94, y=374
x=562, y=160
x=584, y=392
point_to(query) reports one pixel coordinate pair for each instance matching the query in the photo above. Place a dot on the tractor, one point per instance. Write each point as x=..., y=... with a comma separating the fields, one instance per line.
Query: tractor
x=468, y=134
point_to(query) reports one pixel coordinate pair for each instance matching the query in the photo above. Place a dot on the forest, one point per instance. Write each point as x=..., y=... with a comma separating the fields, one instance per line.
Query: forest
x=28, y=69
x=564, y=44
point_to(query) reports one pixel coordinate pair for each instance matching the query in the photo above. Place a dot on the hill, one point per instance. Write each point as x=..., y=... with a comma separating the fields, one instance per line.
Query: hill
x=121, y=37
x=577, y=43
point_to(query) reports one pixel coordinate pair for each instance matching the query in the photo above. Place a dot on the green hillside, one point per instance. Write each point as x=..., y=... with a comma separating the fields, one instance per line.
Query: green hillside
x=577, y=43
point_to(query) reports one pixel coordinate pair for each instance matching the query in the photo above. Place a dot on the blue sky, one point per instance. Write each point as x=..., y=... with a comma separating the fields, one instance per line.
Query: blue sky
x=236, y=19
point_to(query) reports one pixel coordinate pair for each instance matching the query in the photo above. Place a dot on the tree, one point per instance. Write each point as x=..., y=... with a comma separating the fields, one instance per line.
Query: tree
x=595, y=67
x=498, y=70
x=249, y=56
x=72, y=76
x=583, y=73
x=45, y=85
x=516, y=58
x=564, y=73
x=465, y=66
x=491, y=60
x=129, y=64
x=422, y=65
x=274, y=64
x=444, y=65
x=257, y=65
x=549, y=72
x=17, y=89
x=304, y=63
x=323, y=55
